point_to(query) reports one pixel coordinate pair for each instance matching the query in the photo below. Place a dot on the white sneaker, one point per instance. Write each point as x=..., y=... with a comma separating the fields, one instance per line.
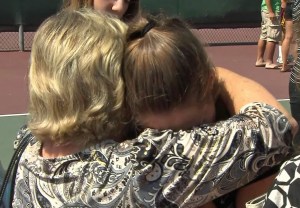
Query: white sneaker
x=290, y=59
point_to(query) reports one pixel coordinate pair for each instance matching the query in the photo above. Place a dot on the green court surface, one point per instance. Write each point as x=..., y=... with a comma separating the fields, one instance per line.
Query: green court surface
x=286, y=104
x=9, y=125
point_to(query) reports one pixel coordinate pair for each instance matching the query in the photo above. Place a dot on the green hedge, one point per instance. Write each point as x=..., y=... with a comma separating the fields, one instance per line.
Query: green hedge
x=213, y=12
x=26, y=12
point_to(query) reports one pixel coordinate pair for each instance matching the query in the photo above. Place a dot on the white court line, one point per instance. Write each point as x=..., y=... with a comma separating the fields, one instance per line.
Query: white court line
x=12, y=115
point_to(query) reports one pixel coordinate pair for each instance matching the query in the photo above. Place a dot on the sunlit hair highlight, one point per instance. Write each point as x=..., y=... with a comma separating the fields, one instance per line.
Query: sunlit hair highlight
x=75, y=86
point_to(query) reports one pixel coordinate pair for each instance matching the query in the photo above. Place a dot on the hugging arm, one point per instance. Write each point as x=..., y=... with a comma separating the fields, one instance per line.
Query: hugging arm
x=190, y=168
x=237, y=91
x=170, y=168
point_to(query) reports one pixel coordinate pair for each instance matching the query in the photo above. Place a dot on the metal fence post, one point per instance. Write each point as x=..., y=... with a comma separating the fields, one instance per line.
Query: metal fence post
x=21, y=38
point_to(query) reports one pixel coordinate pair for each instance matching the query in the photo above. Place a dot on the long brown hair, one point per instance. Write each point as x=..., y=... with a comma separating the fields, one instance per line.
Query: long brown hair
x=164, y=64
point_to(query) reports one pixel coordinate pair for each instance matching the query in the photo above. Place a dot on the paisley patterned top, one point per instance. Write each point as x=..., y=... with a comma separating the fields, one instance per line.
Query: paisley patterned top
x=158, y=168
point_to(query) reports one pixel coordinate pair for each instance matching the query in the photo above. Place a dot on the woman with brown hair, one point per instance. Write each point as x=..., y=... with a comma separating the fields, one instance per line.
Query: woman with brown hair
x=172, y=84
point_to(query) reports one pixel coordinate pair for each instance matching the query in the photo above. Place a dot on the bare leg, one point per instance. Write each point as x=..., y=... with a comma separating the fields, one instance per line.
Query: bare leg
x=288, y=37
x=261, y=46
x=269, y=54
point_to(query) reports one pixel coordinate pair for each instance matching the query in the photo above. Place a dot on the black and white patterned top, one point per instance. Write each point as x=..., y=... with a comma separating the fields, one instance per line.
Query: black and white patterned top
x=159, y=168
x=285, y=191
x=295, y=74
x=296, y=11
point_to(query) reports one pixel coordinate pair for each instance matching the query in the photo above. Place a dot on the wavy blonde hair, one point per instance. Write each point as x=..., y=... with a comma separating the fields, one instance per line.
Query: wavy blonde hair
x=132, y=12
x=75, y=86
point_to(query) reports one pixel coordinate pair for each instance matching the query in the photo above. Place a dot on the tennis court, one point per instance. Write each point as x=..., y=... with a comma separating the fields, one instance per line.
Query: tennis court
x=14, y=93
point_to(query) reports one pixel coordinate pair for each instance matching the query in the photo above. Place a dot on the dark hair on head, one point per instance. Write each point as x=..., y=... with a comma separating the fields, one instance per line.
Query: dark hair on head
x=133, y=11
x=140, y=33
x=165, y=65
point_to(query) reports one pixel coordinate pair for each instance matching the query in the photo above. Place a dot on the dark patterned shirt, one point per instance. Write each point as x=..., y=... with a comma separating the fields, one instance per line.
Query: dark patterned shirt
x=158, y=168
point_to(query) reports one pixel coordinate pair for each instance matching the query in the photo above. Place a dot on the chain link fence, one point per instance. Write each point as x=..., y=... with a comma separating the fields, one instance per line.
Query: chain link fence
x=228, y=36
x=222, y=22
x=10, y=41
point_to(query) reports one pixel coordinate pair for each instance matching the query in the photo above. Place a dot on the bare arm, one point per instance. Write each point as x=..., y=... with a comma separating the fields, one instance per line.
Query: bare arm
x=270, y=9
x=283, y=4
x=238, y=91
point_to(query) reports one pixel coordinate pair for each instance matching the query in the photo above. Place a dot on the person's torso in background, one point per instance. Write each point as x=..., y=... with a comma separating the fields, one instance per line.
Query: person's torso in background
x=276, y=6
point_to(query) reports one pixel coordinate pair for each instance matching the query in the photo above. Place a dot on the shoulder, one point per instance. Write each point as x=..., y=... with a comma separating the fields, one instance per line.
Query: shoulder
x=23, y=133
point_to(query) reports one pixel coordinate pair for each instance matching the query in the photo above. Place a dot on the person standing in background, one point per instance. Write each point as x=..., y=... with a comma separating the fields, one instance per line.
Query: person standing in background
x=270, y=33
x=286, y=187
x=287, y=32
x=126, y=10
x=294, y=83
